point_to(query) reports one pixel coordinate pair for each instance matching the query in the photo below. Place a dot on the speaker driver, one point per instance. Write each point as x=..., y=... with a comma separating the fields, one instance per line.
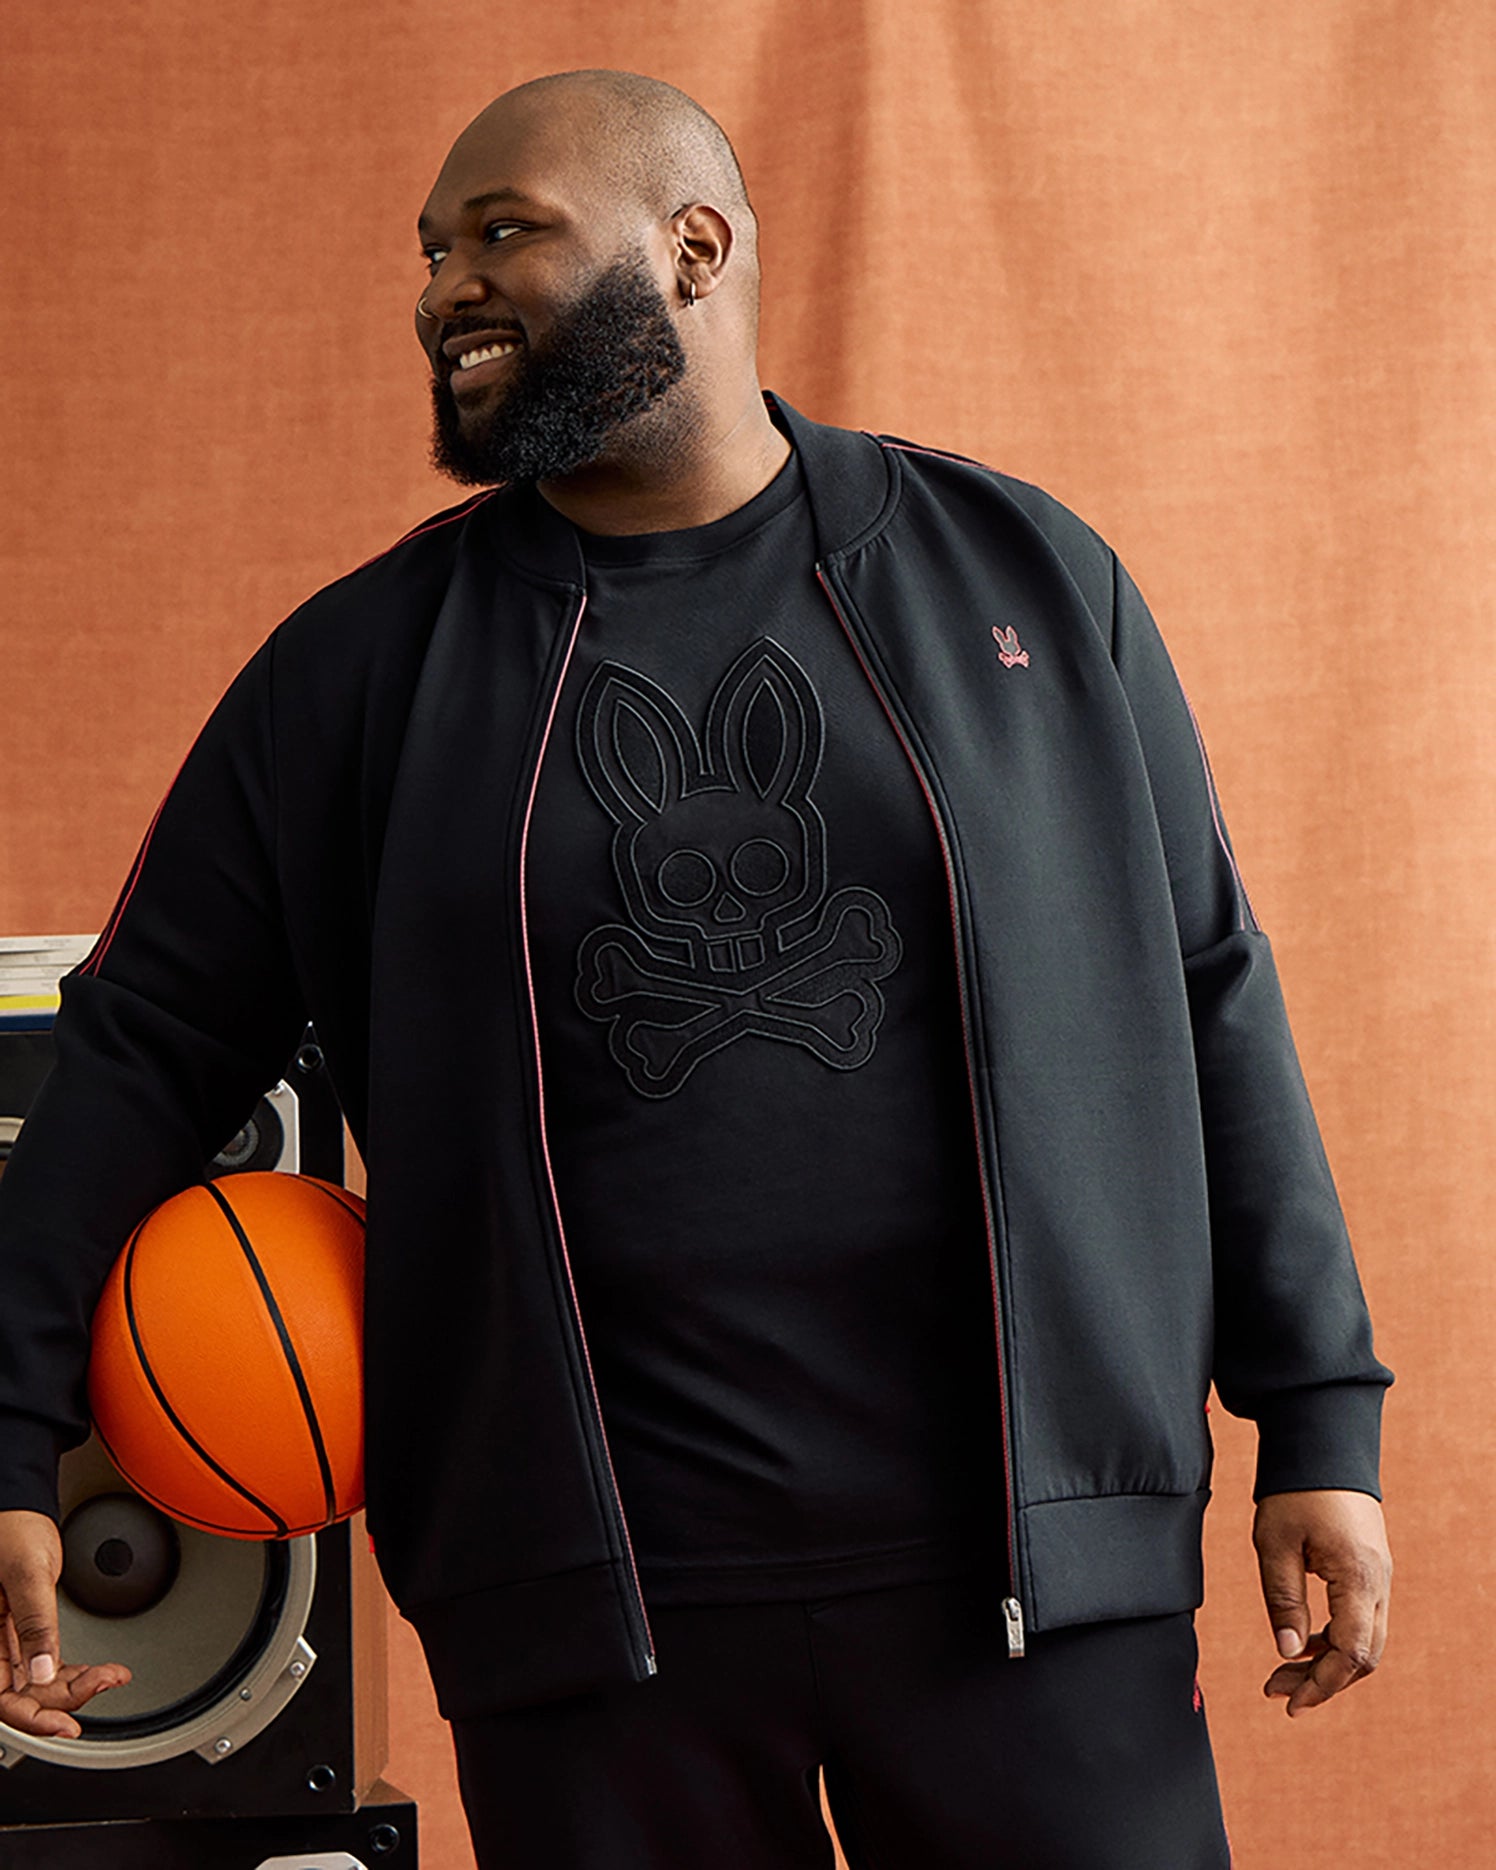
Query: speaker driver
x=271, y=1138
x=261, y=1144
x=120, y=1555
x=211, y=1629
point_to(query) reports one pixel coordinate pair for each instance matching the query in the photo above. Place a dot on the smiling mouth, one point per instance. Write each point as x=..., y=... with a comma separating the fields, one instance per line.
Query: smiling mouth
x=485, y=353
x=475, y=370
x=480, y=365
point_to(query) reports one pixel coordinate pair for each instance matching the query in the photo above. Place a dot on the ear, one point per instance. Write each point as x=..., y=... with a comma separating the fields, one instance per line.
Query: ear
x=701, y=245
x=766, y=671
x=634, y=744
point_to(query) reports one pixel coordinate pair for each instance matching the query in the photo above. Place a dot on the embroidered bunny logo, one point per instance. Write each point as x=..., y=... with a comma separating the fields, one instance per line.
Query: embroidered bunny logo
x=722, y=869
x=1008, y=651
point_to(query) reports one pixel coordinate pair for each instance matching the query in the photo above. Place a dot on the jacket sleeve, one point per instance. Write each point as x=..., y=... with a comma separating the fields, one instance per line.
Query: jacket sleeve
x=1293, y=1339
x=186, y=1009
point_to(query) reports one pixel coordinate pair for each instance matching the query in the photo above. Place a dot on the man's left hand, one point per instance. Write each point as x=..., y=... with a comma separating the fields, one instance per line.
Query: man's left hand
x=1340, y=1537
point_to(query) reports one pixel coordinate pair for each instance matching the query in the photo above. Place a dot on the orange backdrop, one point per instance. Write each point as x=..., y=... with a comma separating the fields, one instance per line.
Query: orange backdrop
x=1217, y=274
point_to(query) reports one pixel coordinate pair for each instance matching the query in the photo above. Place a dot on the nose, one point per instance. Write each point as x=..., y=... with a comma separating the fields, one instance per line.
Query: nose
x=450, y=287
x=728, y=909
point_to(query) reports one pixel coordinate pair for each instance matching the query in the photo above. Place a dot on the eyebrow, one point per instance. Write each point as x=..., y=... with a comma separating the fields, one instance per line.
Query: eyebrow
x=475, y=202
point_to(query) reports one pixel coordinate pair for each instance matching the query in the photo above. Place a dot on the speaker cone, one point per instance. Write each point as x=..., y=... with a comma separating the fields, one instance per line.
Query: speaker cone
x=211, y=1629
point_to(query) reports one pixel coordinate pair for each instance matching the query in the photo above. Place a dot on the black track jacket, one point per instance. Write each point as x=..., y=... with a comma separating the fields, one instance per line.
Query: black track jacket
x=348, y=841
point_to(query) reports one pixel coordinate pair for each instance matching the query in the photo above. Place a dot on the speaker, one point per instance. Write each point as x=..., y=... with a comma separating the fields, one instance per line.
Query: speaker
x=259, y=1668
x=380, y=1835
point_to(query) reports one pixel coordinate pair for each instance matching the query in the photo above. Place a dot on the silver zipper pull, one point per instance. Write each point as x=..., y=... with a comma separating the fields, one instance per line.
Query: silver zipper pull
x=1013, y=1617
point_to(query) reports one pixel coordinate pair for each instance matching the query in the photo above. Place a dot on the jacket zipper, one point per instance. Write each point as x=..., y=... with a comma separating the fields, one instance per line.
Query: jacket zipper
x=1012, y=1605
x=640, y=1629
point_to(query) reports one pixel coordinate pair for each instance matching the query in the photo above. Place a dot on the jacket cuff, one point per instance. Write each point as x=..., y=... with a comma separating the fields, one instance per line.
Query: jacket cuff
x=1329, y=1436
x=30, y=1450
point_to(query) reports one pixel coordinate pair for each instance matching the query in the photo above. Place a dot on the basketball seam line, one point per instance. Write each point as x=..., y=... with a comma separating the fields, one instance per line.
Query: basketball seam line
x=333, y=1195
x=176, y=1421
x=314, y=1428
x=194, y=1520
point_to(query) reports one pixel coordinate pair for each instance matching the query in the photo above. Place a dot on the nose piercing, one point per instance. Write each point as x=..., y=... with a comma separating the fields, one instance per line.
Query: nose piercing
x=423, y=308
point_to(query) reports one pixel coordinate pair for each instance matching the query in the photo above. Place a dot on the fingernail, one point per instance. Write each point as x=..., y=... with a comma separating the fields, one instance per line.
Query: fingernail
x=1289, y=1643
x=42, y=1668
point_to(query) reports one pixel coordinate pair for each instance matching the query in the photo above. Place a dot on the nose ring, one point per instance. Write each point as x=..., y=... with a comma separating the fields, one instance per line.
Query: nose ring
x=423, y=308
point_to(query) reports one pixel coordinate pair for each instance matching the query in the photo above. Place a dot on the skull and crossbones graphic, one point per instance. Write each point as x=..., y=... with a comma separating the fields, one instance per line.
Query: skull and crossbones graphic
x=722, y=867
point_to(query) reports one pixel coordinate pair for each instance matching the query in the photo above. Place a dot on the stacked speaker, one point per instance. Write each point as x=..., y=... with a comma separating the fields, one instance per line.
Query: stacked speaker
x=253, y=1733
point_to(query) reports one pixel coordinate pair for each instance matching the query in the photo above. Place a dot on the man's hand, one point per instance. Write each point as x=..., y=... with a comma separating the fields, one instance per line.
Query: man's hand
x=1340, y=1537
x=38, y=1695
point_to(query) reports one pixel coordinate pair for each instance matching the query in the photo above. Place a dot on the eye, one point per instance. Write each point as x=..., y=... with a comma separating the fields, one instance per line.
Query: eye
x=492, y=236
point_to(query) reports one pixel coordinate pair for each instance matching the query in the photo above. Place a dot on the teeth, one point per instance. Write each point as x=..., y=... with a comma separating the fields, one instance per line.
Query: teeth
x=470, y=359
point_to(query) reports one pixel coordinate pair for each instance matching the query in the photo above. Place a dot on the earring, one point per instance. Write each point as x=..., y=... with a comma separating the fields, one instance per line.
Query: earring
x=690, y=293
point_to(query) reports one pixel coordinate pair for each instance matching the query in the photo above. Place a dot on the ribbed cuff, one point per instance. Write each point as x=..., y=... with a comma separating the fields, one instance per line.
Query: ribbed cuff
x=1330, y=1436
x=30, y=1450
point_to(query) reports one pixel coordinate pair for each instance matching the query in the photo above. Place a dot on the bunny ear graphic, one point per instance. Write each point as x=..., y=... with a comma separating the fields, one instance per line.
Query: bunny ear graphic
x=634, y=744
x=766, y=675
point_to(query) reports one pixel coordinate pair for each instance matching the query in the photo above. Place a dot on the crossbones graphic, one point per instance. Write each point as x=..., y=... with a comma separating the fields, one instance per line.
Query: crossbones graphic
x=720, y=855
x=667, y=1015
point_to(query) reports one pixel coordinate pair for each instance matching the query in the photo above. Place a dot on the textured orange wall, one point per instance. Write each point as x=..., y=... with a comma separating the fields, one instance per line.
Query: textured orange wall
x=1218, y=275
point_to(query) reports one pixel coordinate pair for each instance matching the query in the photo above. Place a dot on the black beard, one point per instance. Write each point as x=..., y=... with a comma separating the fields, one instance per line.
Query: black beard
x=610, y=355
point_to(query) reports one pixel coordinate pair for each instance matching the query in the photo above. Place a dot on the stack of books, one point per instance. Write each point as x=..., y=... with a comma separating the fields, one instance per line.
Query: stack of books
x=30, y=968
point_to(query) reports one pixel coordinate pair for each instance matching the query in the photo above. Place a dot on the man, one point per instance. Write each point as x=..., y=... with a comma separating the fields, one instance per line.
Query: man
x=828, y=1107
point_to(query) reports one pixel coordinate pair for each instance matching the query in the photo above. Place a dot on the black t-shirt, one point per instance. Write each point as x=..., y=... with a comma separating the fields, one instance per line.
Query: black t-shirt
x=756, y=1097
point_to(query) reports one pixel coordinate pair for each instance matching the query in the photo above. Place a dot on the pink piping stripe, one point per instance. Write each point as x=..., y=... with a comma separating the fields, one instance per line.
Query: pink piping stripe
x=431, y=525
x=1215, y=816
x=90, y=964
x=545, y=1149
x=950, y=884
x=935, y=454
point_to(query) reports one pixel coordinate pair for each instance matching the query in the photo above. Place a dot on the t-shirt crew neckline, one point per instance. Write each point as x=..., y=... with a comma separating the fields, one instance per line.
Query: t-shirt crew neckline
x=698, y=542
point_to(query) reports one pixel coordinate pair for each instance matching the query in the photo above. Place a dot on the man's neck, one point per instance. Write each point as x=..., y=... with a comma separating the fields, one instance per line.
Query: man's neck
x=721, y=470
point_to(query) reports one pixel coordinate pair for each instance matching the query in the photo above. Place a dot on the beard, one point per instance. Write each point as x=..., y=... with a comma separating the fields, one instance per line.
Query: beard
x=611, y=354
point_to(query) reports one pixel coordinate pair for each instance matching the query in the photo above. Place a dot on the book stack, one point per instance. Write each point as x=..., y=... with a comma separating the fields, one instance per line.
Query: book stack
x=30, y=968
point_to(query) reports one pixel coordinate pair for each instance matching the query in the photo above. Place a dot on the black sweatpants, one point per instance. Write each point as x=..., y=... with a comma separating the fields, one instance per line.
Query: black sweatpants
x=1089, y=1753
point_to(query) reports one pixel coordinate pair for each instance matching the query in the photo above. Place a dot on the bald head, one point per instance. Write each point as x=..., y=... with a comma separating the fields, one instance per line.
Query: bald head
x=636, y=143
x=650, y=140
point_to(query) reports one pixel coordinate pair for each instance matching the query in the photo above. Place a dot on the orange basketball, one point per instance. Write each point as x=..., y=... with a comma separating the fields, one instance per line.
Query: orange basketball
x=226, y=1380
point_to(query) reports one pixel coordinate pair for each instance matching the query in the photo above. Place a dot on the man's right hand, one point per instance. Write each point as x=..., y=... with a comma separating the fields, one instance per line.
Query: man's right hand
x=39, y=1694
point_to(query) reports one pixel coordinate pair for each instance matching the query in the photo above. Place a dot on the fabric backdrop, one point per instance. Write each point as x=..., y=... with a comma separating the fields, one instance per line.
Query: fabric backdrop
x=1217, y=273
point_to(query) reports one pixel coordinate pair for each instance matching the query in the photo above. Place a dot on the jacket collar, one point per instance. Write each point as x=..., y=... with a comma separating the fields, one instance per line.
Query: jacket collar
x=849, y=478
